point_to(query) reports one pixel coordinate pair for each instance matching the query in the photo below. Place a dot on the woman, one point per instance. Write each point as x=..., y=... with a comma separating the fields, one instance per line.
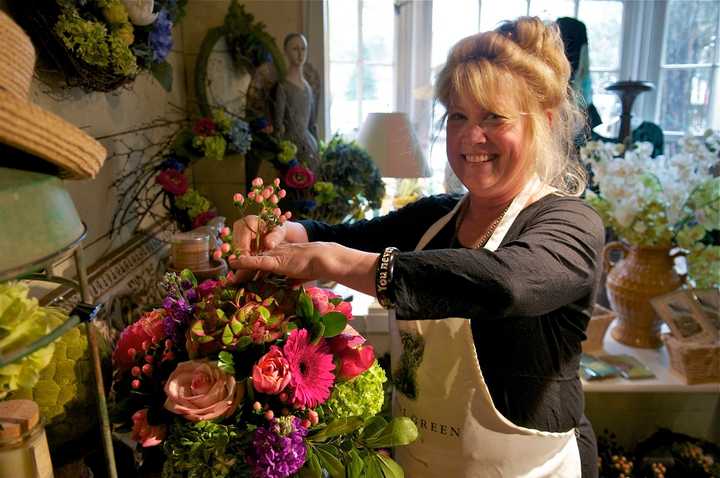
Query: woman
x=492, y=292
x=294, y=110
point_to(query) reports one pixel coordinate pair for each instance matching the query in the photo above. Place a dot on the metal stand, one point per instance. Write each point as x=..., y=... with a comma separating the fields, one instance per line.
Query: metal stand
x=83, y=312
x=627, y=91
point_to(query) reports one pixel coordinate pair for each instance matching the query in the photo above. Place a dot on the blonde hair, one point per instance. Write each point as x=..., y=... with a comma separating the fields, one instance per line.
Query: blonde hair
x=522, y=64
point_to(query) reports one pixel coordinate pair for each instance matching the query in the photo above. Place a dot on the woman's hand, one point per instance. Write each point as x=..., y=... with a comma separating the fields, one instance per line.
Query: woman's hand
x=314, y=260
x=245, y=236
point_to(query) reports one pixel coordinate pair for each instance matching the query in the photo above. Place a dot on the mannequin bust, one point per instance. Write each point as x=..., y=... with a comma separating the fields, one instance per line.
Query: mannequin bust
x=295, y=108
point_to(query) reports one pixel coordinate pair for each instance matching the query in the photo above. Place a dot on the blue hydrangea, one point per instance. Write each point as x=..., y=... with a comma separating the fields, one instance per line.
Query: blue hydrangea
x=160, y=37
x=239, y=137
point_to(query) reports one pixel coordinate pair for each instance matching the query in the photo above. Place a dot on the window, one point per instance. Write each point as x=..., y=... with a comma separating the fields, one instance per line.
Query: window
x=361, y=58
x=688, y=100
x=623, y=40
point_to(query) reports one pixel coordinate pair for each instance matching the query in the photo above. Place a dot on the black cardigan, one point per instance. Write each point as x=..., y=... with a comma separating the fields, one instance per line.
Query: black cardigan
x=528, y=303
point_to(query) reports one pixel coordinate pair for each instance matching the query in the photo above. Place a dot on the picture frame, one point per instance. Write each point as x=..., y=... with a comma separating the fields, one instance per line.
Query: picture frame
x=709, y=302
x=685, y=317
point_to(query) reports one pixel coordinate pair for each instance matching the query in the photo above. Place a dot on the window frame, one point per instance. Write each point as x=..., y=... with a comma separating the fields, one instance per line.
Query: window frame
x=643, y=28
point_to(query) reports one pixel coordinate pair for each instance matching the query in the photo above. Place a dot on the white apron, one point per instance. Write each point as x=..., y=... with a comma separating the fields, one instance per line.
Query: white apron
x=462, y=434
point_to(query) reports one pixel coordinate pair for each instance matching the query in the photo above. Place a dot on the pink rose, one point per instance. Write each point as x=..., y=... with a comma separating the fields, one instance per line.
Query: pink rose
x=144, y=433
x=354, y=357
x=199, y=390
x=272, y=372
x=321, y=302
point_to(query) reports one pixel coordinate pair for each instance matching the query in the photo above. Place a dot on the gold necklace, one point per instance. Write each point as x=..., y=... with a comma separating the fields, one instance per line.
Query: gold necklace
x=488, y=232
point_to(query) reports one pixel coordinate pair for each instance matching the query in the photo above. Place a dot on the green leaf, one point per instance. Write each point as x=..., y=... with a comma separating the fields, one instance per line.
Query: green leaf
x=187, y=274
x=339, y=426
x=227, y=336
x=317, y=332
x=220, y=314
x=264, y=313
x=312, y=467
x=226, y=363
x=355, y=467
x=335, y=301
x=197, y=328
x=374, y=426
x=400, y=431
x=236, y=326
x=163, y=74
x=389, y=467
x=334, y=323
x=305, y=306
x=372, y=467
x=243, y=342
x=327, y=455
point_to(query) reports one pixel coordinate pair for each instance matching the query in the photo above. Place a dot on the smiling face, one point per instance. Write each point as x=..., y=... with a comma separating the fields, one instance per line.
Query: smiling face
x=486, y=150
x=296, y=50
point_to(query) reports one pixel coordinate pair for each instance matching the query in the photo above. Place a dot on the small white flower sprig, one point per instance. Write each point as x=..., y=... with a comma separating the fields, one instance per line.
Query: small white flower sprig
x=262, y=200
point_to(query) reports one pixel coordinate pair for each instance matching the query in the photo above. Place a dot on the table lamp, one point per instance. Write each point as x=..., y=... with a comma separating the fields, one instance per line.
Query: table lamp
x=393, y=146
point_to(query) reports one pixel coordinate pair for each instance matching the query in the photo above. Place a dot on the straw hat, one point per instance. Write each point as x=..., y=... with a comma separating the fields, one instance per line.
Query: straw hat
x=29, y=128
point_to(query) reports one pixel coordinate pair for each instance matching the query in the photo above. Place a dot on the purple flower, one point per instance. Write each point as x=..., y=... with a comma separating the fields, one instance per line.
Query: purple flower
x=161, y=36
x=278, y=450
x=207, y=287
x=179, y=313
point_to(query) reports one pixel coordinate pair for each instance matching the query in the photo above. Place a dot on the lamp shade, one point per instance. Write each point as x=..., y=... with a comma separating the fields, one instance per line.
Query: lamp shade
x=392, y=144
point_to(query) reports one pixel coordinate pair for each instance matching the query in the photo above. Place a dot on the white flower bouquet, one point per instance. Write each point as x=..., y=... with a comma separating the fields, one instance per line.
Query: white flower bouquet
x=669, y=201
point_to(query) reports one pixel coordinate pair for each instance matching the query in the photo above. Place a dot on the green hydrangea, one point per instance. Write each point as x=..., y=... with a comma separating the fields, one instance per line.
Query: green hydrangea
x=203, y=449
x=222, y=121
x=213, y=147
x=124, y=62
x=64, y=390
x=362, y=396
x=194, y=202
x=88, y=39
x=22, y=321
x=288, y=150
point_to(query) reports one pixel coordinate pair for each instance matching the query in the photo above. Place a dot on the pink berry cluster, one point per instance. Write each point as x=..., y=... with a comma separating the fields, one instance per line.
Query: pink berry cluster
x=311, y=416
x=262, y=200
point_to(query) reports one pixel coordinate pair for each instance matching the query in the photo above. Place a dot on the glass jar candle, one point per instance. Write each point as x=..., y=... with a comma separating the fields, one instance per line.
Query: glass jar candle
x=190, y=250
x=24, y=449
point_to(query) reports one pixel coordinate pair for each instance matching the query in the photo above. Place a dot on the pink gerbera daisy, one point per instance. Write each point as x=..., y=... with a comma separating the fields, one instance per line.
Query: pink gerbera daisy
x=311, y=367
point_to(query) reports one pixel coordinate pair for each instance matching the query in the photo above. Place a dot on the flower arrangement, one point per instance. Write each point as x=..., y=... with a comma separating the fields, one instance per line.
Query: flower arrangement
x=103, y=44
x=261, y=379
x=346, y=185
x=209, y=138
x=665, y=201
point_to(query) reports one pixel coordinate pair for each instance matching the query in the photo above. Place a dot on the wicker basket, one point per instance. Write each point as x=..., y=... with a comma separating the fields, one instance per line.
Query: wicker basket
x=698, y=363
x=597, y=326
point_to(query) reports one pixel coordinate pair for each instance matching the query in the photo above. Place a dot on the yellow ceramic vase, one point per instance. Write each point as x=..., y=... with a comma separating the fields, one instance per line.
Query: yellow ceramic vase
x=642, y=273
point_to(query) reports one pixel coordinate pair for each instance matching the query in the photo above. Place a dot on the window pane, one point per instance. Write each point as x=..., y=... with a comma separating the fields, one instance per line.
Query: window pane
x=494, y=12
x=552, y=9
x=343, y=98
x=691, y=31
x=377, y=90
x=378, y=30
x=603, y=20
x=450, y=25
x=342, y=30
x=606, y=102
x=684, y=104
